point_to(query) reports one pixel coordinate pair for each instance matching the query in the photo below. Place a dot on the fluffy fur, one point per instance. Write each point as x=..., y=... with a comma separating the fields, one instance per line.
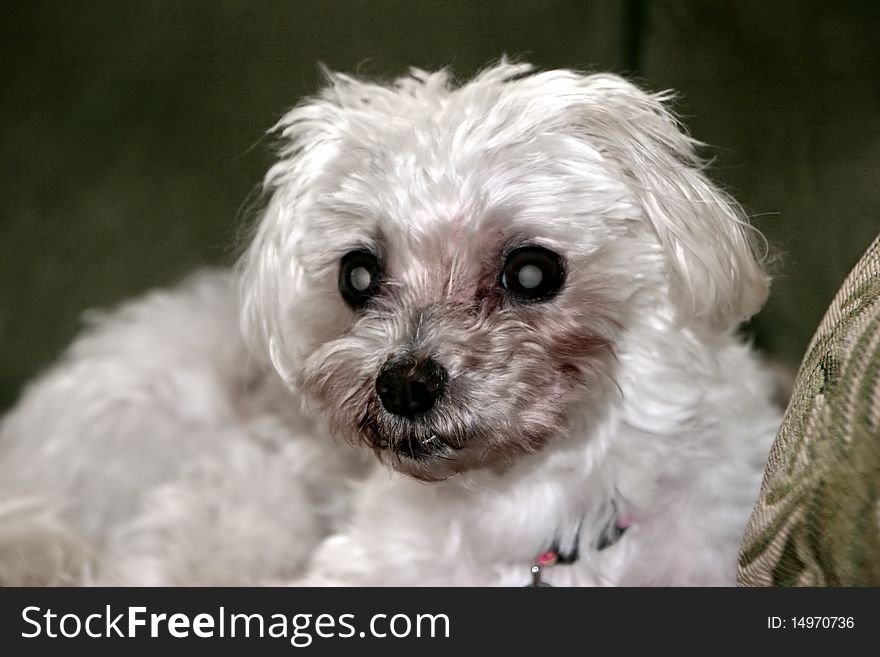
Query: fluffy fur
x=170, y=447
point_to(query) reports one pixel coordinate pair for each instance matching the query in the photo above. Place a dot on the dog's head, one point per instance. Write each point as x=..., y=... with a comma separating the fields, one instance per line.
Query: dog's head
x=443, y=271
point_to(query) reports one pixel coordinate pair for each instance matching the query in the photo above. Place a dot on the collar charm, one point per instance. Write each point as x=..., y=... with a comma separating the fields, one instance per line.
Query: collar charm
x=609, y=535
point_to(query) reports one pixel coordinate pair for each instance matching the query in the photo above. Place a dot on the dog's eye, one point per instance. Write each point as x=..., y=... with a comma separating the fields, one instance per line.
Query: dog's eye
x=359, y=278
x=532, y=273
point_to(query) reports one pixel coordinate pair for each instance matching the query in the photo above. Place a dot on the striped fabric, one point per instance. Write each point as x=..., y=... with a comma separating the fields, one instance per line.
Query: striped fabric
x=817, y=520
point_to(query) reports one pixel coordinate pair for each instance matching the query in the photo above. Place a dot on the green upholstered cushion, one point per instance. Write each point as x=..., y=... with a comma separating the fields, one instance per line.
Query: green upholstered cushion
x=817, y=520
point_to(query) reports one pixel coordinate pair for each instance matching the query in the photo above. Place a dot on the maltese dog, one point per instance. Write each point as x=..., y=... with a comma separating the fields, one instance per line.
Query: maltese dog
x=483, y=334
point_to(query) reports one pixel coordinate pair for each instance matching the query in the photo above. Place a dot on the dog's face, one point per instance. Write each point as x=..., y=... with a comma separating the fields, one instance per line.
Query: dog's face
x=444, y=273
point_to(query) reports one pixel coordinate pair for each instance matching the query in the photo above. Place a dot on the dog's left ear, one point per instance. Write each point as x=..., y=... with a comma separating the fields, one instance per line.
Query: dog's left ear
x=715, y=275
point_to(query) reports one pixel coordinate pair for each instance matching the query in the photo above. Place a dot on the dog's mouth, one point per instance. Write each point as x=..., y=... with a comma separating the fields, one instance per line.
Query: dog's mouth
x=420, y=445
x=423, y=451
x=422, y=448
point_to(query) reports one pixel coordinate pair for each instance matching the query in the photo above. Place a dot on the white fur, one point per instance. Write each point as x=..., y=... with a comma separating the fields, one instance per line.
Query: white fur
x=160, y=450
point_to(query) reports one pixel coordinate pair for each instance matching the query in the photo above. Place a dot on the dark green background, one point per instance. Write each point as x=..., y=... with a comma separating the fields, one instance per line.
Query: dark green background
x=132, y=132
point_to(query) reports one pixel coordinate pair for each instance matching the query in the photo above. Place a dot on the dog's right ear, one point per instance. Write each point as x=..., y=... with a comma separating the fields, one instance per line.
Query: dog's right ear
x=270, y=275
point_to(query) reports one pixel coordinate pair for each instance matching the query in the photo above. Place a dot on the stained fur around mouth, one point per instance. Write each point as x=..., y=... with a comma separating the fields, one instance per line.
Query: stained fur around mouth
x=418, y=448
x=420, y=445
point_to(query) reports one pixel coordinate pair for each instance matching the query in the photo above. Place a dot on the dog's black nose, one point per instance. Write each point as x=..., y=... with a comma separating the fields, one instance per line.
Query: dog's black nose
x=409, y=387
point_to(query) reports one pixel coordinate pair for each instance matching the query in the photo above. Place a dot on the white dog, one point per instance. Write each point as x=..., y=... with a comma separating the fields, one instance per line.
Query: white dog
x=491, y=327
